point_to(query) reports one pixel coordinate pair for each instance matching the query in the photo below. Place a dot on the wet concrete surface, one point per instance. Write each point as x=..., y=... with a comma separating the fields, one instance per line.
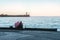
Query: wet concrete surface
x=28, y=35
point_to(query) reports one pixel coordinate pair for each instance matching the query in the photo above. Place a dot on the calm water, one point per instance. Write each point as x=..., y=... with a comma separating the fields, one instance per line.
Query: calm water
x=32, y=22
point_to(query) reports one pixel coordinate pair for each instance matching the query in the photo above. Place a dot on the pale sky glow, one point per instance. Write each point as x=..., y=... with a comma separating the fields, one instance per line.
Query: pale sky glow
x=34, y=7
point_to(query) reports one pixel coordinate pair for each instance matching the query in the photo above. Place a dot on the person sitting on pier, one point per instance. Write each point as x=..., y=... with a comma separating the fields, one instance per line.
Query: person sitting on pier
x=19, y=25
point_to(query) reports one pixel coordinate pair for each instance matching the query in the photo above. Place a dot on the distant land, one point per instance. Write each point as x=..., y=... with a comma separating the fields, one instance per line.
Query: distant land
x=26, y=15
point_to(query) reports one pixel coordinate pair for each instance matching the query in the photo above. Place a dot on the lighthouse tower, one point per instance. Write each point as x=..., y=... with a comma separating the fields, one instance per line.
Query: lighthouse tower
x=26, y=13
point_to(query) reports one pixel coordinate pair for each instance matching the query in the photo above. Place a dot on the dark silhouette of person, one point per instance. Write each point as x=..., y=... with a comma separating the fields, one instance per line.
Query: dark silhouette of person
x=19, y=25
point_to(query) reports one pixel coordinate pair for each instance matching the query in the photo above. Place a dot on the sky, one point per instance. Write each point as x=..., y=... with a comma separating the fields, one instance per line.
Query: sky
x=33, y=7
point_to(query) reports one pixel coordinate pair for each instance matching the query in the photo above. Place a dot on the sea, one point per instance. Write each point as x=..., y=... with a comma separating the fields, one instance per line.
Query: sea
x=32, y=22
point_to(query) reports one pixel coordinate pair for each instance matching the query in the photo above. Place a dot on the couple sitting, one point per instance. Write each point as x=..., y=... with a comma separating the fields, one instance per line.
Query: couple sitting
x=19, y=25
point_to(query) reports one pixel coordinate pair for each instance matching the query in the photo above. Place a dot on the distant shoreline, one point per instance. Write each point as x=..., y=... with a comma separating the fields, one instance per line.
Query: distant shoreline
x=14, y=15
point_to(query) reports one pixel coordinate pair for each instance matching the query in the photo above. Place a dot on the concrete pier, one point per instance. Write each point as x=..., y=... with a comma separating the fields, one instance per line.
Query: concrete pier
x=28, y=35
x=35, y=29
